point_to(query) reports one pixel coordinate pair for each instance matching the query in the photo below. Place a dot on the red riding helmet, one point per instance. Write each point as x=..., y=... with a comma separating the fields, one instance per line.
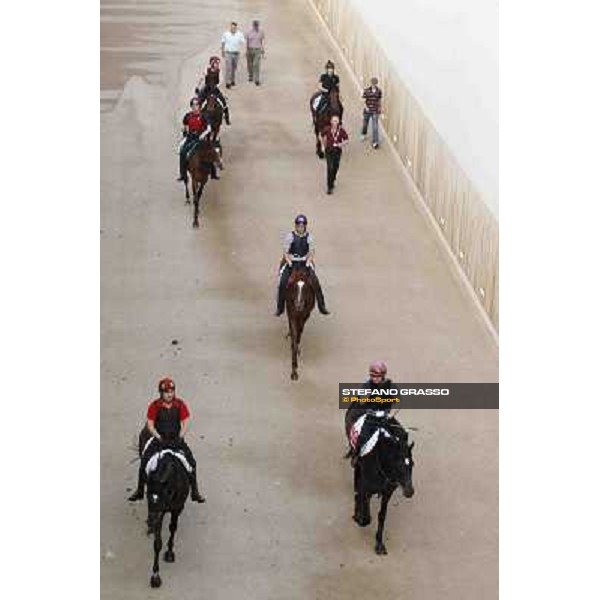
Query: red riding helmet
x=378, y=367
x=166, y=385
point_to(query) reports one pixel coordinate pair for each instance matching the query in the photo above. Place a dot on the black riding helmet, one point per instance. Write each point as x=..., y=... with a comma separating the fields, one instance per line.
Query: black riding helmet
x=194, y=99
x=329, y=65
x=301, y=219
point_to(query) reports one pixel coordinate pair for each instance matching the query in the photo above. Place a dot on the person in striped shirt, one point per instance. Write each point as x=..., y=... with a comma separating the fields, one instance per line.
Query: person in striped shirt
x=372, y=96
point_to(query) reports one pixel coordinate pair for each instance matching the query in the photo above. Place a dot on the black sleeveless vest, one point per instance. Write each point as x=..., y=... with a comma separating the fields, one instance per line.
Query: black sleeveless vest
x=299, y=245
x=168, y=423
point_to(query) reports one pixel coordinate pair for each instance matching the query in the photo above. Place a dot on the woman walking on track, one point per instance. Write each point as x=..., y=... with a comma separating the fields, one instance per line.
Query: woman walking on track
x=334, y=139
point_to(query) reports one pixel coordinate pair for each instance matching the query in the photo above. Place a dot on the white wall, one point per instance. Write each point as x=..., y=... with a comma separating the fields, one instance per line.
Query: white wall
x=446, y=52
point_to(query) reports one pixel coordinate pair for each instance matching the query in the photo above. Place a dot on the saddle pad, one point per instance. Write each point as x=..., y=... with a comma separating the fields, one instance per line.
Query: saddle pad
x=315, y=103
x=195, y=145
x=368, y=445
x=153, y=461
x=372, y=441
x=355, y=430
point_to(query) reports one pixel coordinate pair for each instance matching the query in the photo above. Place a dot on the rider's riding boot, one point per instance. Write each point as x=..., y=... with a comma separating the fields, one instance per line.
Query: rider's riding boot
x=280, y=300
x=182, y=167
x=226, y=115
x=139, y=492
x=320, y=298
x=195, y=494
x=213, y=171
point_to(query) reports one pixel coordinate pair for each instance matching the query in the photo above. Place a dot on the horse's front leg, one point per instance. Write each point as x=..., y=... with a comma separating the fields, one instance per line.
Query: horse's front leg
x=197, y=193
x=379, y=545
x=300, y=331
x=320, y=153
x=362, y=502
x=169, y=554
x=187, y=191
x=155, y=580
x=294, y=347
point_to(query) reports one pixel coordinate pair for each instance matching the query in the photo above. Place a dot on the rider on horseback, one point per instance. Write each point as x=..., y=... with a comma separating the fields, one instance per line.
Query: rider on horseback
x=168, y=419
x=377, y=381
x=210, y=87
x=297, y=249
x=328, y=82
x=195, y=129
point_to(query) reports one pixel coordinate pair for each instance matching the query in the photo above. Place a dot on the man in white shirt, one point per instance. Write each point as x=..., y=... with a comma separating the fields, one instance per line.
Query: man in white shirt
x=232, y=43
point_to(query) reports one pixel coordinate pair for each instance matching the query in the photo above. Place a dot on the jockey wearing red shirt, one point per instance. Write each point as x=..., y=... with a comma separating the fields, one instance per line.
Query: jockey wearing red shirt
x=168, y=419
x=195, y=128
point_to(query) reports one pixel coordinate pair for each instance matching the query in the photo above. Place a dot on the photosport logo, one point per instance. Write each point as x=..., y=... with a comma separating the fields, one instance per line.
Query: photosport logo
x=421, y=395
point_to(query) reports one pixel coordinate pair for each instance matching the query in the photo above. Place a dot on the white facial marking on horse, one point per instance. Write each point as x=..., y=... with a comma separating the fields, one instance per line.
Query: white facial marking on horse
x=407, y=461
x=300, y=286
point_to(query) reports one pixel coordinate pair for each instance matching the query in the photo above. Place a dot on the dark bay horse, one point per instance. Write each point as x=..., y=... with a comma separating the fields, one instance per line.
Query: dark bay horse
x=213, y=111
x=322, y=119
x=380, y=472
x=167, y=490
x=299, y=302
x=199, y=167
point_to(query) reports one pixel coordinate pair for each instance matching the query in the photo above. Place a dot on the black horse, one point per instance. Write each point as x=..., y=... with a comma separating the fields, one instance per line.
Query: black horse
x=167, y=490
x=380, y=472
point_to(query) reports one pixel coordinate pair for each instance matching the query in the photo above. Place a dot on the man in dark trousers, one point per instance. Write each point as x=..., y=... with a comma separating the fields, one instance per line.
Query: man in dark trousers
x=334, y=139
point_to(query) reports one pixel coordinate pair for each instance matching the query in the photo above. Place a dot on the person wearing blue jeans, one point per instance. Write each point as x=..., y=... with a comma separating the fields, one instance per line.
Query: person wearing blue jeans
x=372, y=97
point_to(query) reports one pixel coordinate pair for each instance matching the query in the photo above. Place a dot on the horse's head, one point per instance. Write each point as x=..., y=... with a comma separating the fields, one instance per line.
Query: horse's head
x=397, y=462
x=211, y=102
x=299, y=284
x=164, y=483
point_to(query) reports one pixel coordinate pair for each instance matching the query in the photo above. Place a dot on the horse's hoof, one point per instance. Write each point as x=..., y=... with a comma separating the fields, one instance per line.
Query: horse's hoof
x=169, y=556
x=155, y=581
x=361, y=522
x=188, y=201
x=196, y=225
x=380, y=549
x=294, y=376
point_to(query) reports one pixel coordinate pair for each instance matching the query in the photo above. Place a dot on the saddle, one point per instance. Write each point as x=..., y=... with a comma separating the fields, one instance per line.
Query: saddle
x=153, y=460
x=195, y=144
